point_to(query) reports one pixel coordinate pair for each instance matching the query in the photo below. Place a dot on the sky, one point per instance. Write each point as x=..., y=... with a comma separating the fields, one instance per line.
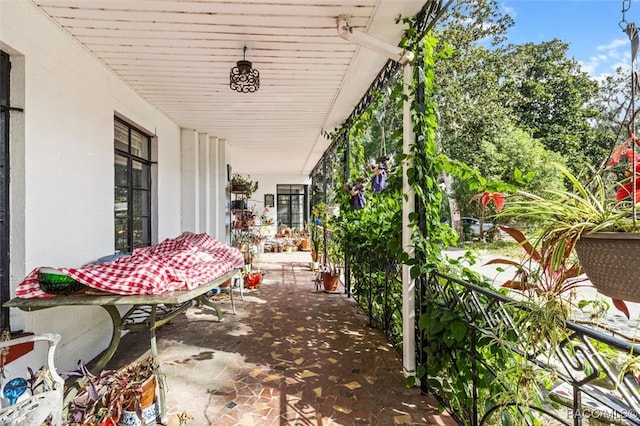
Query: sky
x=590, y=27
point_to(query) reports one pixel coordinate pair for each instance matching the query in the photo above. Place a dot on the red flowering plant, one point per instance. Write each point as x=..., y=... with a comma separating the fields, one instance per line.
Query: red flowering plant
x=485, y=199
x=625, y=154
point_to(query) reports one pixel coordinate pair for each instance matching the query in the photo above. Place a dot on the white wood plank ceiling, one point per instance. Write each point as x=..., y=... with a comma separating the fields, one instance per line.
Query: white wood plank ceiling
x=177, y=54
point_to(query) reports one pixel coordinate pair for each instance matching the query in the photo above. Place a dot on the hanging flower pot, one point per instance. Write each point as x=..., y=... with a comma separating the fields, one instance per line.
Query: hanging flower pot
x=610, y=261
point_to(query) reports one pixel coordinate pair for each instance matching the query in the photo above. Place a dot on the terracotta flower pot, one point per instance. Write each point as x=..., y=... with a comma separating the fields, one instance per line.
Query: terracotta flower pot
x=330, y=281
x=148, y=394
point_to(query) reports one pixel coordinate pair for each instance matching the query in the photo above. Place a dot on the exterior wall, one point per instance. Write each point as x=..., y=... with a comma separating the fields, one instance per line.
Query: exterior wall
x=267, y=184
x=62, y=167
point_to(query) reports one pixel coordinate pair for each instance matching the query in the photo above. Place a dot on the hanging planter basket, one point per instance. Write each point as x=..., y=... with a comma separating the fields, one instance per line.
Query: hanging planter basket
x=610, y=260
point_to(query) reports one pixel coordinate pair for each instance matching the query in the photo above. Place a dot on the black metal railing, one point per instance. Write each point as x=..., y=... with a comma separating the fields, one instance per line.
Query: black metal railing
x=589, y=374
x=376, y=285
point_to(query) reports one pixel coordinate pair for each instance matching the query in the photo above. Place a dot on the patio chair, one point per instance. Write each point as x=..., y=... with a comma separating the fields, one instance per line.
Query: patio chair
x=35, y=409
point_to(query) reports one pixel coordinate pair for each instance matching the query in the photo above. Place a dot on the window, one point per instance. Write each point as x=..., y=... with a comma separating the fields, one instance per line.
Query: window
x=292, y=206
x=132, y=208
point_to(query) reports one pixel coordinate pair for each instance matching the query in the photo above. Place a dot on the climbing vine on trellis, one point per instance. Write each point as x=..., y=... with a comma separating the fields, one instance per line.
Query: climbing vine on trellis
x=371, y=238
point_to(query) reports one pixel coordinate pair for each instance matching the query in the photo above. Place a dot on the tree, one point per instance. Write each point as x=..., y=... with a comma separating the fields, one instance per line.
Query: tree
x=469, y=104
x=513, y=150
x=551, y=97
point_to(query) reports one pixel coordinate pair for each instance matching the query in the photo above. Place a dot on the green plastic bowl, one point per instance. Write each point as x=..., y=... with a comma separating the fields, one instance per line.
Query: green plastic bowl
x=54, y=281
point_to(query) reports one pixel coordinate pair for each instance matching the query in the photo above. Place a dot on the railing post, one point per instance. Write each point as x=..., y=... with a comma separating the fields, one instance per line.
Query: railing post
x=474, y=378
x=577, y=407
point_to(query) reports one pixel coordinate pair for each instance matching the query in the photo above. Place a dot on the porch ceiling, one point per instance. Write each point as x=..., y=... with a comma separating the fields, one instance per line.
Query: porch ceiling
x=177, y=54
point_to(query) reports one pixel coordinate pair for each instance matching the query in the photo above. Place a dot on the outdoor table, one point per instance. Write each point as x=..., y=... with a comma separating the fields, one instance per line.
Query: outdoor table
x=147, y=312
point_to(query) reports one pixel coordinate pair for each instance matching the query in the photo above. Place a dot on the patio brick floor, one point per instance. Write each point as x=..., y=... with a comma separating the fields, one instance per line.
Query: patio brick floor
x=291, y=356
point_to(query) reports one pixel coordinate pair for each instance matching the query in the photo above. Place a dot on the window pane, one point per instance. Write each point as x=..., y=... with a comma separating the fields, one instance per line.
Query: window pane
x=121, y=174
x=121, y=136
x=132, y=188
x=141, y=173
x=140, y=203
x=122, y=231
x=121, y=200
x=141, y=236
x=139, y=145
x=297, y=212
x=283, y=210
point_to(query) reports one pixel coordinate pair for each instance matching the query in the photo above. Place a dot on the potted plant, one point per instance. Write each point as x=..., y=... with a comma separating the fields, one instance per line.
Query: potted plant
x=332, y=267
x=320, y=216
x=593, y=218
x=108, y=396
x=243, y=185
x=316, y=243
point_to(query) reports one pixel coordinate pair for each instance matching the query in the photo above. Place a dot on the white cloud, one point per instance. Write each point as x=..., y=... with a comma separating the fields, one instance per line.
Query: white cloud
x=615, y=44
x=611, y=56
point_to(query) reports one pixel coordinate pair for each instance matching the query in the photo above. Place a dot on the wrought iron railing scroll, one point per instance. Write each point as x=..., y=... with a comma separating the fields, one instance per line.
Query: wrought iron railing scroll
x=514, y=370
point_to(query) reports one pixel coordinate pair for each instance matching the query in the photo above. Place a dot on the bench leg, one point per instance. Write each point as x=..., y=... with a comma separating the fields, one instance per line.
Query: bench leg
x=164, y=417
x=205, y=301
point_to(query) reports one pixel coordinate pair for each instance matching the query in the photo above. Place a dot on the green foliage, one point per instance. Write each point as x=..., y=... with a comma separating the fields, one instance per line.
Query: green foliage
x=565, y=215
x=551, y=97
x=476, y=125
x=319, y=212
x=490, y=92
x=249, y=185
x=514, y=158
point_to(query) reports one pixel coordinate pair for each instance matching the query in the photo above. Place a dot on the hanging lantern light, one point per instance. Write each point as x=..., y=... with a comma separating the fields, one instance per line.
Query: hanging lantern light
x=242, y=77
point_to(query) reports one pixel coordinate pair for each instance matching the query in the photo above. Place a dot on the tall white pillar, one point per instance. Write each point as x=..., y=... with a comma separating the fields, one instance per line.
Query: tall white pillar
x=216, y=185
x=204, y=182
x=189, y=187
x=408, y=206
x=224, y=197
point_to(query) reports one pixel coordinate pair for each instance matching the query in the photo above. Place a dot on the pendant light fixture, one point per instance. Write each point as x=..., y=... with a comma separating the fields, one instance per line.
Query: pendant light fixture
x=242, y=77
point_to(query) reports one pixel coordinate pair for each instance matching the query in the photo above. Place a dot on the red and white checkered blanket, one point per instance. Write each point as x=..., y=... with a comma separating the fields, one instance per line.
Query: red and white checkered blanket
x=178, y=263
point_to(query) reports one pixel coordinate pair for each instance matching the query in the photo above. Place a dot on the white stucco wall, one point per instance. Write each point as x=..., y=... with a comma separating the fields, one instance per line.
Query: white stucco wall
x=267, y=184
x=62, y=182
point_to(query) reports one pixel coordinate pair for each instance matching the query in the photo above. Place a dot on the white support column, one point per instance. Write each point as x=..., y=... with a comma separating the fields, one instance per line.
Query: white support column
x=408, y=206
x=224, y=230
x=189, y=198
x=346, y=31
x=216, y=185
x=204, y=182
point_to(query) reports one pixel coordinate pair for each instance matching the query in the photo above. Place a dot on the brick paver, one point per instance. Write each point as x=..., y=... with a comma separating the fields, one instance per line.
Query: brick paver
x=291, y=356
